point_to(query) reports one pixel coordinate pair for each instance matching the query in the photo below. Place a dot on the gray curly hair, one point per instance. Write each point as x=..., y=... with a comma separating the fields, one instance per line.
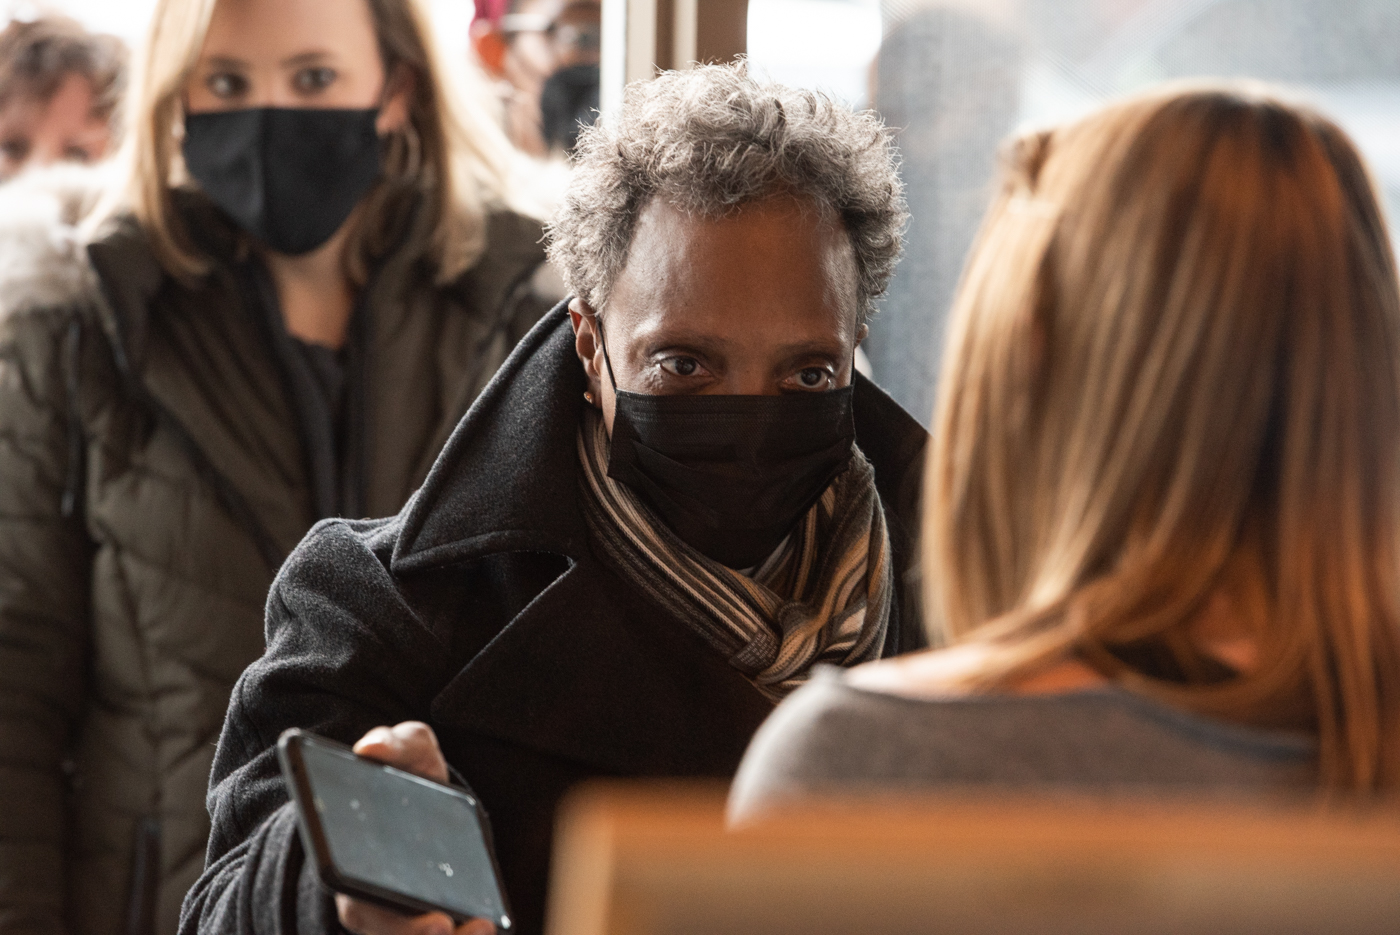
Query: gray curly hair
x=712, y=139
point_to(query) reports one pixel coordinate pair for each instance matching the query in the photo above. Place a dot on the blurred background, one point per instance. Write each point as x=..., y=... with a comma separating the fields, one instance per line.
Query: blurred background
x=956, y=78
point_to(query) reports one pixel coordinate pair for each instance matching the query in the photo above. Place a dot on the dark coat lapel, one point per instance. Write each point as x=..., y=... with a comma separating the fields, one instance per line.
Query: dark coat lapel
x=593, y=673
x=507, y=479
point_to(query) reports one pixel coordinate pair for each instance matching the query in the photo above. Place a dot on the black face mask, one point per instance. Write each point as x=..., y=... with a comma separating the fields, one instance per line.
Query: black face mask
x=290, y=177
x=569, y=102
x=731, y=475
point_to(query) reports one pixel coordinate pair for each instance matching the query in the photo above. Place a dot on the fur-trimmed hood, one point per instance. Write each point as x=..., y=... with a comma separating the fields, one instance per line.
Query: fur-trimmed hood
x=43, y=237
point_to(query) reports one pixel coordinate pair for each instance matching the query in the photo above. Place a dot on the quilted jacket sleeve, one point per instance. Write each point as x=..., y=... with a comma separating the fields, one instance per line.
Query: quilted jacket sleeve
x=45, y=562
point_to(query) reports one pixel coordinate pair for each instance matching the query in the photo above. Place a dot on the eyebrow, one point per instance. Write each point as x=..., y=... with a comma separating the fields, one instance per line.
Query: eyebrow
x=705, y=343
x=307, y=58
x=811, y=349
x=710, y=344
x=224, y=61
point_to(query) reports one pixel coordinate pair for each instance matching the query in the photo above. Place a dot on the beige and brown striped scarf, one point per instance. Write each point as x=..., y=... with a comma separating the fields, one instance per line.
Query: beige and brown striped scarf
x=823, y=596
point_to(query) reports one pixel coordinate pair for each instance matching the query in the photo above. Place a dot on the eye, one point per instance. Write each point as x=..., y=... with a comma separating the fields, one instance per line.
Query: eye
x=15, y=149
x=226, y=84
x=314, y=80
x=77, y=154
x=814, y=378
x=681, y=366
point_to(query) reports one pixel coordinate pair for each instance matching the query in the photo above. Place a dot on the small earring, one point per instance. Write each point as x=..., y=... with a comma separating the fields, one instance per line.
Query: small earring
x=588, y=396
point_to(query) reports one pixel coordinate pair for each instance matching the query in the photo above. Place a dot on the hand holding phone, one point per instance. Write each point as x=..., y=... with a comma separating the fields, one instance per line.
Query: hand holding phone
x=365, y=918
x=390, y=843
x=412, y=747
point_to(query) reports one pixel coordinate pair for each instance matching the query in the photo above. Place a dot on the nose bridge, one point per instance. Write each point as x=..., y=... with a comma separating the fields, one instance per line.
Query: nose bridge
x=45, y=148
x=271, y=87
x=747, y=376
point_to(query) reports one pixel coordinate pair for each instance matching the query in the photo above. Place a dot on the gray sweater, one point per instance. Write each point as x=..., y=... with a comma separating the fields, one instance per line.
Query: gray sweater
x=829, y=737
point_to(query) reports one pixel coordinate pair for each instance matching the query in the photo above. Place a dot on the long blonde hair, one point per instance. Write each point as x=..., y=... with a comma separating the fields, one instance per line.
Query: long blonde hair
x=1173, y=372
x=452, y=153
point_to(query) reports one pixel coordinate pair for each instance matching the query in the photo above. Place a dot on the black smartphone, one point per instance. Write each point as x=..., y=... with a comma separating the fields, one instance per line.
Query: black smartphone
x=390, y=837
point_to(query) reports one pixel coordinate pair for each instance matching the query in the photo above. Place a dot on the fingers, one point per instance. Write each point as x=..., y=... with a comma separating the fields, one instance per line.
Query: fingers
x=364, y=918
x=410, y=746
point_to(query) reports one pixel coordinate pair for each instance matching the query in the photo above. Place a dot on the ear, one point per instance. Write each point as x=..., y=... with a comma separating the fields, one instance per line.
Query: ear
x=398, y=100
x=586, y=345
x=862, y=332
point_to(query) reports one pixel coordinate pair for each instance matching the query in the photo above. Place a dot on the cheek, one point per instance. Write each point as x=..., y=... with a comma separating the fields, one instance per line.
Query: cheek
x=609, y=411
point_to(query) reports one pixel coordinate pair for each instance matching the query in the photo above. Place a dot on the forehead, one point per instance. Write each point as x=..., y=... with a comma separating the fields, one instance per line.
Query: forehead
x=782, y=260
x=68, y=107
x=249, y=29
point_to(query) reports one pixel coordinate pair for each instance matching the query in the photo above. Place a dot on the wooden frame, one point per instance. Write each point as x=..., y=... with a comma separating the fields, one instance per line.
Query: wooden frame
x=658, y=861
x=642, y=36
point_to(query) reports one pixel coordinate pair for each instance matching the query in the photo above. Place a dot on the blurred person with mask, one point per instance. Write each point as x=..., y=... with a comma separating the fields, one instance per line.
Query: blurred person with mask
x=545, y=55
x=310, y=275
x=673, y=501
x=59, y=90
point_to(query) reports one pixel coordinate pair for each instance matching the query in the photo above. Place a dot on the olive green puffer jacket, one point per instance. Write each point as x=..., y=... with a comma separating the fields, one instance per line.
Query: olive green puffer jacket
x=152, y=475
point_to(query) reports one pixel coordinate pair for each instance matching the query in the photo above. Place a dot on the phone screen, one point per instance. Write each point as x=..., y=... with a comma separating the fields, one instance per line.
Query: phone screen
x=401, y=834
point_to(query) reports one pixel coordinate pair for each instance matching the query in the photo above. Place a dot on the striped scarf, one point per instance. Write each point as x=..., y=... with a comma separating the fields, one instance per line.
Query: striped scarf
x=823, y=596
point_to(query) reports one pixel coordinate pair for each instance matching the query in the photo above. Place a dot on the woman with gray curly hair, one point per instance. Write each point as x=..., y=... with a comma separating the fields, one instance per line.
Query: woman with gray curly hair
x=673, y=501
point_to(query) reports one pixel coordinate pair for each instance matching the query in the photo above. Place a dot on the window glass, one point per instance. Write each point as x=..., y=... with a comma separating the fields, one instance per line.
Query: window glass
x=129, y=19
x=827, y=44
x=956, y=78
x=126, y=19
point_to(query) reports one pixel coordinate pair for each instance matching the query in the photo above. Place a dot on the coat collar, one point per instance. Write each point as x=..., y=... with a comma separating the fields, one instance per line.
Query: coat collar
x=593, y=673
x=508, y=477
x=507, y=480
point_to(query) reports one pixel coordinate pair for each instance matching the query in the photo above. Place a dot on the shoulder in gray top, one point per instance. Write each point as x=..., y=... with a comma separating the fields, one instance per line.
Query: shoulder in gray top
x=830, y=738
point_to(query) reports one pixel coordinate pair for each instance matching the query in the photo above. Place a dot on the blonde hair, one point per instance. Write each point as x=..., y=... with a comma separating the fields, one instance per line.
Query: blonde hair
x=452, y=152
x=1172, y=374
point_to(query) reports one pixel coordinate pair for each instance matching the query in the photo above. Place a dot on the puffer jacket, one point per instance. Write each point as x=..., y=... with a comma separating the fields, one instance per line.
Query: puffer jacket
x=153, y=474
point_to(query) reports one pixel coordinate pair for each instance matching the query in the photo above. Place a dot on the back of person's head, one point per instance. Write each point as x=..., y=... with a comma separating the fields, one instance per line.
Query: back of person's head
x=1172, y=384
x=711, y=140
x=37, y=58
x=452, y=154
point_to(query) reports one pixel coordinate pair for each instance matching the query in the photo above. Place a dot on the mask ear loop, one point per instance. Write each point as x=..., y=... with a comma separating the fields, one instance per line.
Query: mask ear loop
x=612, y=377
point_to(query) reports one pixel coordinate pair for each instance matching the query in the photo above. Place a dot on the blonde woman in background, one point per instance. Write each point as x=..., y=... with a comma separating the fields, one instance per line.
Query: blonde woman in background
x=314, y=270
x=1162, y=512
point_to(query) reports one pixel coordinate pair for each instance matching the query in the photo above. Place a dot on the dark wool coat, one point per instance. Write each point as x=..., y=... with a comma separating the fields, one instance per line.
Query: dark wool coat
x=153, y=474
x=482, y=610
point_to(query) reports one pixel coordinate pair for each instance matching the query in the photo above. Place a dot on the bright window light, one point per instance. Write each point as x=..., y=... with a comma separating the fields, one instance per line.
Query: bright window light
x=823, y=44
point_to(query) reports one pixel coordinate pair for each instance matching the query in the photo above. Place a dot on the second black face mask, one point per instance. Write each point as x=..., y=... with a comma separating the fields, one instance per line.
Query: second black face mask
x=568, y=102
x=290, y=177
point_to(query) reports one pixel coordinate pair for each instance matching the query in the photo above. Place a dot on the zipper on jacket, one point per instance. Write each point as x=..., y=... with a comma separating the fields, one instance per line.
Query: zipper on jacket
x=77, y=444
x=145, y=878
